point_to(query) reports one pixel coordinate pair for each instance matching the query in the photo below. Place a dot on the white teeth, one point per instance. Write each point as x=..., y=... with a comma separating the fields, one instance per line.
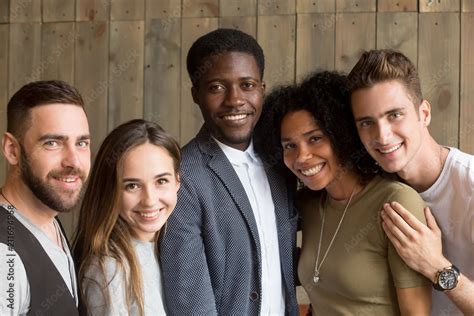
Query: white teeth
x=391, y=149
x=149, y=214
x=67, y=180
x=312, y=171
x=234, y=117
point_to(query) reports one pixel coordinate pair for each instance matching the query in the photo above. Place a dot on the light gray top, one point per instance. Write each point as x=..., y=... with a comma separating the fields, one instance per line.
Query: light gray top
x=96, y=285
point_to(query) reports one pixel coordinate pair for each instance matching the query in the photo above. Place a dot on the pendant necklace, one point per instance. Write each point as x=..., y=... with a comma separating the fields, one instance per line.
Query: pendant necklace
x=317, y=266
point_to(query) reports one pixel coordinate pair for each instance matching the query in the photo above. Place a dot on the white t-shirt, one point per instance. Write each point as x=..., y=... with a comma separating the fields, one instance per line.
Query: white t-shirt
x=18, y=303
x=96, y=285
x=451, y=201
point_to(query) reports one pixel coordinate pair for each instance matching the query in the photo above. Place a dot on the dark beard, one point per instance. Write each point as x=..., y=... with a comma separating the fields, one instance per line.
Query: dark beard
x=45, y=192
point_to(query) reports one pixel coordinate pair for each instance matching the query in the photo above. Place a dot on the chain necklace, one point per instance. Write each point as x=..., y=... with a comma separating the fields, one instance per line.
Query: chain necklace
x=317, y=266
x=3, y=195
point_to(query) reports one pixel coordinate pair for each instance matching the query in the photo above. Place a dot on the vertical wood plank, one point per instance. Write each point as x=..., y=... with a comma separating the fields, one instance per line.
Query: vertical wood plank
x=162, y=74
x=397, y=30
x=440, y=5
x=125, y=10
x=92, y=10
x=125, y=72
x=467, y=6
x=163, y=9
x=247, y=24
x=200, y=8
x=24, y=54
x=397, y=5
x=57, y=52
x=438, y=65
x=279, y=50
x=25, y=11
x=91, y=75
x=276, y=7
x=58, y=10
x=355, y=33
x=315, y=42
x=355, y=5
x=191, y=118
x=4, y=28
x=4, y=11
x=238, y=8
x=312, y=6
x=466, y=130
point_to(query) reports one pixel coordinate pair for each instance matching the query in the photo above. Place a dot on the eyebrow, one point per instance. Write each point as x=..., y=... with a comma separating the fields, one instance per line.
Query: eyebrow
x=61, y=137
x=240, y=79
x=161, y=175
x=304, y=134
x=382, y=115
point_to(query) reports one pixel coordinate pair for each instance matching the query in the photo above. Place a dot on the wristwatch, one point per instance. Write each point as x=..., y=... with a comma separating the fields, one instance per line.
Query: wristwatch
x=447, y=278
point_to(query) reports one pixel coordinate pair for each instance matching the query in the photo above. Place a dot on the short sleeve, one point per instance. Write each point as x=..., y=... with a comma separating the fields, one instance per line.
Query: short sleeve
x=14, y=287
x=404, y=276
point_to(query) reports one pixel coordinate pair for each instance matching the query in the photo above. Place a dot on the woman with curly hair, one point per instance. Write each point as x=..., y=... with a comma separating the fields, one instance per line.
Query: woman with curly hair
x=131, y=193
x=347, y=265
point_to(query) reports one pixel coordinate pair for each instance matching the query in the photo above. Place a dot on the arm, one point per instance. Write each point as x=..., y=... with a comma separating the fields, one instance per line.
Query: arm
x=420, y=247
x=186, y=281
x=414, y=301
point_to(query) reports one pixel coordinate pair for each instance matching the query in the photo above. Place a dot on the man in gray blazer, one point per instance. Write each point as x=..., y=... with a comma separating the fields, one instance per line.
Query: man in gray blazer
x=229, y=247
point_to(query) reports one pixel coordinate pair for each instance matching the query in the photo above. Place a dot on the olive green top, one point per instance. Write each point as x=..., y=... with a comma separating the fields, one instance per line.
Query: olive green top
x=362, y=269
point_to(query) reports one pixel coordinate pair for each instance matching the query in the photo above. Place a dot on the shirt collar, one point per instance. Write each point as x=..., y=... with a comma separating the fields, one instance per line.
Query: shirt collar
x=238, y=157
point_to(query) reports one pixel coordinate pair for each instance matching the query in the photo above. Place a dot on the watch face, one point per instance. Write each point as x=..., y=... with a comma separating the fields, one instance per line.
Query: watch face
x=447, y=279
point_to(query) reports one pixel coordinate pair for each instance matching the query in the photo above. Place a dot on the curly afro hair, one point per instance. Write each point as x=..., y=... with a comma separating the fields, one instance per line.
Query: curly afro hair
x=218, y=42
x=326, y=96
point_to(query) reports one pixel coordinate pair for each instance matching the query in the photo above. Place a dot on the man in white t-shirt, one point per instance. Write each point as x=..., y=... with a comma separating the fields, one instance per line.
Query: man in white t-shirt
x=47, y=149
x=392, y=119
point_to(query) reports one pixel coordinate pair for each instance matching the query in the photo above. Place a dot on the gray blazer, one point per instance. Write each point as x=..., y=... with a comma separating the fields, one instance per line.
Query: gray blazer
x=210, y=251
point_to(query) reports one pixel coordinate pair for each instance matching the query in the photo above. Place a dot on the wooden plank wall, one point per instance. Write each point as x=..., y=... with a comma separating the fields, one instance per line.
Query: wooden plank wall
x=128, y=57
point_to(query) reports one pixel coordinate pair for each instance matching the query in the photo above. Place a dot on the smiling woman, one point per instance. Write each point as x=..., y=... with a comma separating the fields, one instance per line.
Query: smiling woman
x=131, y=194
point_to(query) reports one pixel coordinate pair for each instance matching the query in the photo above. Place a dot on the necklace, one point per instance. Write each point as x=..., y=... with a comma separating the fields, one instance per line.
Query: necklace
x=317, y=266
x=3, y=195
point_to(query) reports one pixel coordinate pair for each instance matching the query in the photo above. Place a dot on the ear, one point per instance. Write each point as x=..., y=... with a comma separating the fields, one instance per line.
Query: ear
x=424, y=112
x=11, y=148
x=178, y=181
x=264, y=86
x=194, y=93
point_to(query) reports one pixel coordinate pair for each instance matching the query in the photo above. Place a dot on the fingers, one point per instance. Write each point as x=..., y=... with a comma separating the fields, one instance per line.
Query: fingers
x=392, y=211
x=431, y=221
x=394, y=233
x=407, y=216
x=393, y=239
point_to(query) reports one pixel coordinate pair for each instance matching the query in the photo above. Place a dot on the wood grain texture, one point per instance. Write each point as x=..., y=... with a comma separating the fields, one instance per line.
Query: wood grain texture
x=200, y=8
x=92, y=10
x=438, y=65
x=4, y=11
x=315, y=42
x=91, y=75
x=279, y=50
x=4, y=29
x=58, y=10
x=276, y=7
x=190, y=117
x=126, y=10
x=247, y=24
x=440, y=5
x=126, y=57
x=163, y=9
x=25, y=11
x=163, y=74
x=397, y=5
x=57, y=51
x=315, y=6
x=466, y=128
x=355, y=33
x=238, y=8
x=355, y=6
x=24, y=55
x=395, y=30
x=467, y=6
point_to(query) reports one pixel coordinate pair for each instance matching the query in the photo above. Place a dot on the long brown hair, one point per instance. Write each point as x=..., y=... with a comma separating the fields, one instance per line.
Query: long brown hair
x=101, y=232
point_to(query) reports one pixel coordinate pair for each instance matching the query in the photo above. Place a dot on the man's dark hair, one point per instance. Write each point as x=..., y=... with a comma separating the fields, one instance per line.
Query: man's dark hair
x=36, y=94
x=218, y=42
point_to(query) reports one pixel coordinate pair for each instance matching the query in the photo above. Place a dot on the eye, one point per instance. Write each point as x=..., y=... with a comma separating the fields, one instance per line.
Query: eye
x=365, y=123
x=248, y=85
x=395, y=115
x=288, y=146
x=83, y=143
x=315, y=139
x=132, y=187
x=216, y=88
x=51, y=143
x=162, y=181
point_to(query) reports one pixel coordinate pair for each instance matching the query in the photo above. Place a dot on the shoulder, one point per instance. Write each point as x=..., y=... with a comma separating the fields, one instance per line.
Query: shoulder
x=462, y=165
x=104, y=270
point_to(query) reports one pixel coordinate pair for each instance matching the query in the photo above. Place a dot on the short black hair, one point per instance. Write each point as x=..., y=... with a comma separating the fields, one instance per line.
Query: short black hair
x=218, y=42
x=35, y=94
x=326, y=96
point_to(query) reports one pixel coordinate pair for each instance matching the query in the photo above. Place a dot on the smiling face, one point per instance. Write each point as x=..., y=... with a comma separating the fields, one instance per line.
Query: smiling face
x=389, y=124
x=148, y=187
x=55, y=155
x=230, y=96
x=307, y=152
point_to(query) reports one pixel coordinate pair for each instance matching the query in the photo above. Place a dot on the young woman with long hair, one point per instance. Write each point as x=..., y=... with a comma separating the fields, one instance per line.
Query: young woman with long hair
x=131, y=193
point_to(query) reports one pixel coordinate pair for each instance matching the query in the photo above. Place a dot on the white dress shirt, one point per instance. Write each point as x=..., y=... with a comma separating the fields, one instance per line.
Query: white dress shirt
x=251, y=173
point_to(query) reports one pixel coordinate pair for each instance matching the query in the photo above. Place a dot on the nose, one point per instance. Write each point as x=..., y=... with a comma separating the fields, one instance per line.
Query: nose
x=71, y=158
x=303, y=153
x=234, y=97
x=383, y=134
x=149, y=196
